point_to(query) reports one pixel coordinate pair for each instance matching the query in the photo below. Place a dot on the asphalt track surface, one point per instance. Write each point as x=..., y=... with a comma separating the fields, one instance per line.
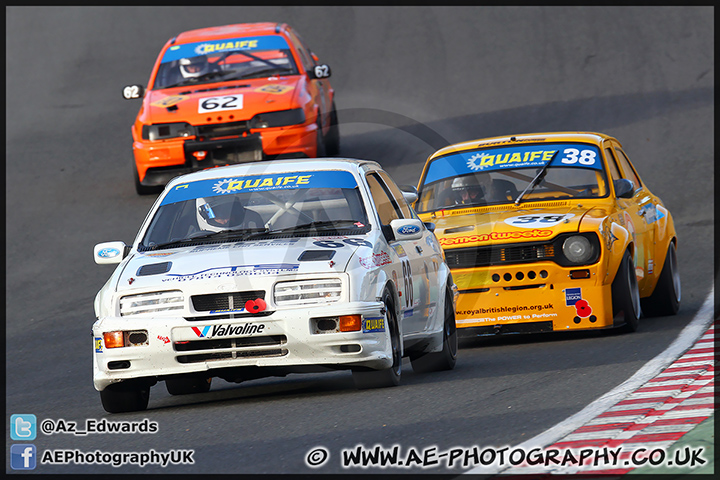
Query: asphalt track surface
x=409, y=80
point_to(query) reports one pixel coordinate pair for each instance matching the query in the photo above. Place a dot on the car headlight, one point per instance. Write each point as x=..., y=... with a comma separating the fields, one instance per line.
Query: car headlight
x=278, y=119
x=152, y=303
x=302, y=292
x=163, y=131
x=578, y=249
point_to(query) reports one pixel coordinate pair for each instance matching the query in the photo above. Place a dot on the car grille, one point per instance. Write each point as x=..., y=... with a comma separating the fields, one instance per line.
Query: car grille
x=228, y=348
x=222, y=130
x=224, y=301
x=498, y=255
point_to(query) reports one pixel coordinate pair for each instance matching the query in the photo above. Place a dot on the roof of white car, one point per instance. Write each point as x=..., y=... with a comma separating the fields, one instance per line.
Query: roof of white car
x=276, y=166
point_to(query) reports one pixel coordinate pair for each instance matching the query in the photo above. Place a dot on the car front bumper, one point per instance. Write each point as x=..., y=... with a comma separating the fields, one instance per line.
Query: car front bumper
x=531, y=298
x=285, y=338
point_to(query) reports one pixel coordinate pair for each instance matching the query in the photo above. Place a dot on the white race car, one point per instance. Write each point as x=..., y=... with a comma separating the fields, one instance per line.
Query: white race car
x=270, y=268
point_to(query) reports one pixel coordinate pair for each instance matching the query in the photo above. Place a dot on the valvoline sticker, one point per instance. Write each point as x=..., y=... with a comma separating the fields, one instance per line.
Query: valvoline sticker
x=256, y=183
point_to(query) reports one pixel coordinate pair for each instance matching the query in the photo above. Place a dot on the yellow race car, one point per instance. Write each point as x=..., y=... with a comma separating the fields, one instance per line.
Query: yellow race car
x=549, y=232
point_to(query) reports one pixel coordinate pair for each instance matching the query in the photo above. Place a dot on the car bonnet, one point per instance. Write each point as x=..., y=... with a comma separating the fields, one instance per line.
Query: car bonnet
x=218, y=263
x=486, y=226
x=188, y=103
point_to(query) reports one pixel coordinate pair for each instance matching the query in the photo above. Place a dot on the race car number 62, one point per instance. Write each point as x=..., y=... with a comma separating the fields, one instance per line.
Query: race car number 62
x=218, y=104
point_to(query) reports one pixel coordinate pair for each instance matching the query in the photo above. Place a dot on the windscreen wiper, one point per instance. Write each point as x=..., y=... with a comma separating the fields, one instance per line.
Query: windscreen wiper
x=263, y=72
x=241, y=232
x=535, y=181
x=317, y=225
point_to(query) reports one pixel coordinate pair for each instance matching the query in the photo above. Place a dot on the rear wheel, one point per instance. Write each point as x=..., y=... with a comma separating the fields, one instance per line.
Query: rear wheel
x=388, y=377
x=625, y=295
x=665, y=299
x=127, y=396
x=445, y=359
x=187, y=385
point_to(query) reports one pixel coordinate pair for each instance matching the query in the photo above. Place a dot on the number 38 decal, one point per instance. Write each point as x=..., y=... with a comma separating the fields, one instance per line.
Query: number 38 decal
x=583, y=157
x=537, y=221
x=219, y=104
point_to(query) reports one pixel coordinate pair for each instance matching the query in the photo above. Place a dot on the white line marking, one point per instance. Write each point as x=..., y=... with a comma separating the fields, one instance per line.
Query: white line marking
x=687, y=338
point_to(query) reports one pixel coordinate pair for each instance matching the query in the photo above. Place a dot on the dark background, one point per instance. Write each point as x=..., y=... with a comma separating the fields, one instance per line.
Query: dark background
x=408, y=80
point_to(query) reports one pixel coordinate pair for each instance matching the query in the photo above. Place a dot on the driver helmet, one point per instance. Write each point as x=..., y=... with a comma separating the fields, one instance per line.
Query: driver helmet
x=219, y=213
x=469, y=184
x=193, y=67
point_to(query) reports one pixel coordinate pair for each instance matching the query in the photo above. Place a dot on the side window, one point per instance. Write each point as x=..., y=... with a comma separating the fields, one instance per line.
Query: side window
x=304, y=52
x=612, y=164
x=627, y=168
x=386, y=207
x=397, y=193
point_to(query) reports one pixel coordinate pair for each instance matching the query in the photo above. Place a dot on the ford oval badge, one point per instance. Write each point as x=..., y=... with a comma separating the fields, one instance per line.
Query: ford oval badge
x=108, y=252
x=408, y=229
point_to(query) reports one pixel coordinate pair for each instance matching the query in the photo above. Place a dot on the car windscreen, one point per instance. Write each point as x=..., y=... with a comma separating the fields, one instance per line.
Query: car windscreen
x=500, y=175
x=224, y=60
x=258, y=206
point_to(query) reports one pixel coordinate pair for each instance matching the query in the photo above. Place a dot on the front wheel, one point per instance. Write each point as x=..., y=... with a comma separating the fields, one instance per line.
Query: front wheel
x=447, y=357
x=388, y=377
x=320, y=141
x=625, y=295
x=127, y=396
x=665, y=299
x=332, y=139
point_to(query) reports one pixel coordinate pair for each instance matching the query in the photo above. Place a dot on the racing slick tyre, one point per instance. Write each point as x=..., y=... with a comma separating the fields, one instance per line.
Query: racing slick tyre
x=625, y=295
x=185, y=385
x=127, y=396
x=139, y=187
x=665, y=299
x=332, y=139
x=388, y=377
x=445, y=359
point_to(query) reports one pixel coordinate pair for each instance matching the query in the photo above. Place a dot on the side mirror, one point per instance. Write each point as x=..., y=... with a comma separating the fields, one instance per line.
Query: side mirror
x=407, y=228
x=624, y=188
x=132, y=92
x=320, y=71
x=409, y=192
x=430, y=226
x=110, y=252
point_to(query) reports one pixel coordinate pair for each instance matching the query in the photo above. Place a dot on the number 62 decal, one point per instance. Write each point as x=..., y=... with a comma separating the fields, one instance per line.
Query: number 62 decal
x=219, y=104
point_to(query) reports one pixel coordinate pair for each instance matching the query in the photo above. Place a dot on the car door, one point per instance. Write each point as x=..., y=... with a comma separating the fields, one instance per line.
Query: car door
x=636, y=212
x=412, y=287
x=418, y=272
x=426, y=260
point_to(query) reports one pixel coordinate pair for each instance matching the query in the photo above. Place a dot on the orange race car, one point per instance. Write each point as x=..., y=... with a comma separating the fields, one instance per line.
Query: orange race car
x=549, y=232
x=231, y=94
